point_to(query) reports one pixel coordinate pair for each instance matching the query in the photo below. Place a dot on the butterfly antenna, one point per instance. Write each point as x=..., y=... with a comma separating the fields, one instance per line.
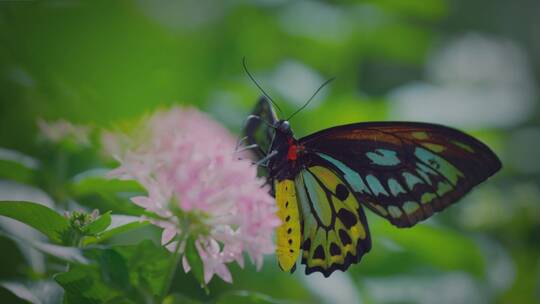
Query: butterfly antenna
x=257, y=84
x=312, y=96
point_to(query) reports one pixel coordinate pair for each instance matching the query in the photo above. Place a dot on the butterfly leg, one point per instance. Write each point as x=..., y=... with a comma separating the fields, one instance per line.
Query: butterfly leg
x=240, y=142
x=263, y=161
x=242, y=149
x=254, y=146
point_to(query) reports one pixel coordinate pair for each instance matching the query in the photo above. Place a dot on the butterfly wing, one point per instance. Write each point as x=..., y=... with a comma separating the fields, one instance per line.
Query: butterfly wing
x=257, y=130
x=335, y=233
x=403, y=171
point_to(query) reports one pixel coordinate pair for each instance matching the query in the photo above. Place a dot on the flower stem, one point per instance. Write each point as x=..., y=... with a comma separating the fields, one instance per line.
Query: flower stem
x=173, y=265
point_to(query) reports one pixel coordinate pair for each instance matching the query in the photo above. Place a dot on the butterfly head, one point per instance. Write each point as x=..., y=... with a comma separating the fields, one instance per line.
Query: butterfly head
x=283, y=126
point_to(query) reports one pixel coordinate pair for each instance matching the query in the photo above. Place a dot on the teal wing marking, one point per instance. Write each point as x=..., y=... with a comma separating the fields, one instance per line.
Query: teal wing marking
x=352, y=177
x=383, y=157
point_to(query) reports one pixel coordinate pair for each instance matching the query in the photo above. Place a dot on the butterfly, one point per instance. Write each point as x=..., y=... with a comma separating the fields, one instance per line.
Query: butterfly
x=402, y=171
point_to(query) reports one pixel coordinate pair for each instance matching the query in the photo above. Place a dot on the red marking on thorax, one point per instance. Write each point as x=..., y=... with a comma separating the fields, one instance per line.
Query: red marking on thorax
x=292, y=153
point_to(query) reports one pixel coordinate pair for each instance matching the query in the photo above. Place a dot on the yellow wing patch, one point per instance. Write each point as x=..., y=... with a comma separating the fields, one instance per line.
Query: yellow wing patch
x=288, y=234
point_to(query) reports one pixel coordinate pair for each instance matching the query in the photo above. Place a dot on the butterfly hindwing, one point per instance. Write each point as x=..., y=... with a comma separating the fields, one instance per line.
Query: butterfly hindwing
x=403, y=171
x=335, y=233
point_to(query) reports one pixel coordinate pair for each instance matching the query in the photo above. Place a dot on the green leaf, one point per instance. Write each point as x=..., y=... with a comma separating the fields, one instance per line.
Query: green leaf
x=34, y=291
x=94, y=190
x=17, y=166
x=40, y=291
x=116, y=202
x=98, y=225
x=177, y=298
x=21, y=291
x=194, y=260
x=41, y=218
x=114, y=269
x=119, y=224
x=69, y=254
x=15, y=171
x=120, y=273
x=83, y=284
x=147, y=264
x=94, y=181
x=247, y=297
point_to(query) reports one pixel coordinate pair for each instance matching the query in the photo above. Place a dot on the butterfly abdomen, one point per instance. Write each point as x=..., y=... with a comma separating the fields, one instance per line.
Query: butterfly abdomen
x=288, y=234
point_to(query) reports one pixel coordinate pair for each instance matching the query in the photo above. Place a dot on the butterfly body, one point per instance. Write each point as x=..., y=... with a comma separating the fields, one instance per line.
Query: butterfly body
x=402, y=171
x=287, y=169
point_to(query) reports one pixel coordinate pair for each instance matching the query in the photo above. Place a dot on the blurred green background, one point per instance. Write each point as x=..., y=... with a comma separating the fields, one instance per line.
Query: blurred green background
x=473, y=65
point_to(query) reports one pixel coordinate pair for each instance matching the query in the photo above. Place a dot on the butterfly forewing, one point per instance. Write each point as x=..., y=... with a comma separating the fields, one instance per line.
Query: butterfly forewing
x=257, y=129
x=404, y=171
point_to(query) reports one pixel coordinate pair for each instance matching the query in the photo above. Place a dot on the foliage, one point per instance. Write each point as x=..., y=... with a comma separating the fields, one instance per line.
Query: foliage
x=104, y=65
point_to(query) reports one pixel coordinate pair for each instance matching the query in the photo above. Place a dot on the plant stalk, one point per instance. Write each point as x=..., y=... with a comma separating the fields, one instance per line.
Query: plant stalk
x=175, y=260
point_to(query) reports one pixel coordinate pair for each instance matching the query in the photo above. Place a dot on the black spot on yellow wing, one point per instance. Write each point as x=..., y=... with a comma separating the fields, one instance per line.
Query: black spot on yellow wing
x=344, y=237
x=334, y=249
x=348, y=218
x=342, y=192
x=319, y=253
x=307, y=245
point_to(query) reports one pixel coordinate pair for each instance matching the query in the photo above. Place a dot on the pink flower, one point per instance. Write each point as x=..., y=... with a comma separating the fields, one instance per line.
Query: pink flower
x=194, y=183
x=60, y=130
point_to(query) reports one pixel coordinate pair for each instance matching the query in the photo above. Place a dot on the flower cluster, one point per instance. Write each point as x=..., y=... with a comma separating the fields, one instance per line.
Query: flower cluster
x=60, y=130
x=195, y=186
